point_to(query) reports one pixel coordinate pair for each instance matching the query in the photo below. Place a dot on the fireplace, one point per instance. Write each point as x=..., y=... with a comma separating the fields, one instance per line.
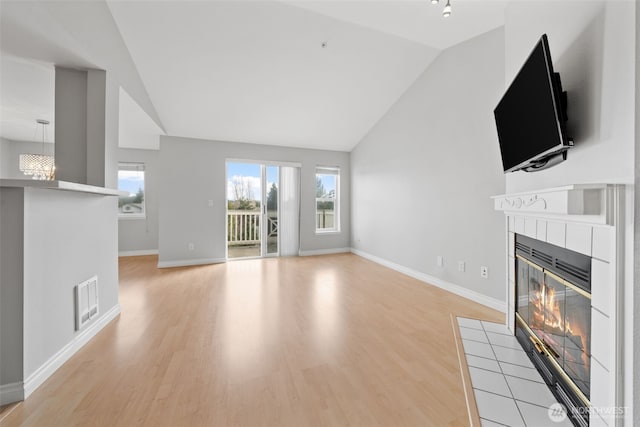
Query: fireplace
x=587, y=219
x=553, y=319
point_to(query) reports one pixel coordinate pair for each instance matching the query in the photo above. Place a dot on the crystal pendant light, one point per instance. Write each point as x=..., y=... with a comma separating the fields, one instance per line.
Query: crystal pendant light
x=38, y=166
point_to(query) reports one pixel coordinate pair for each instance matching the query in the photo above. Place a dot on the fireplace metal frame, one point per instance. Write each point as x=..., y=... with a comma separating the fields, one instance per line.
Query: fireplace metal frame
x=543, y=348
x=557, y=380
x=572, y=265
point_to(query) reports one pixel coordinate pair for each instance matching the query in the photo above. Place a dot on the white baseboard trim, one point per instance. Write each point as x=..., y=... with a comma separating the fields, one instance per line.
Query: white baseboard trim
x=494, y=303
x=41, y=374
x=324, y=251
x=190, y=262
x=138, y=253
x=10, y=393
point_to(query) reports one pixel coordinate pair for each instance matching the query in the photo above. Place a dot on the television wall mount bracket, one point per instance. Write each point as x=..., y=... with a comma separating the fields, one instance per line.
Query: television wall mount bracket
x=549, y=161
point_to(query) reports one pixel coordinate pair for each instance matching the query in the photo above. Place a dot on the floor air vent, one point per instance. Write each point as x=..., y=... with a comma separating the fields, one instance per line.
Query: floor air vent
x=86, y=302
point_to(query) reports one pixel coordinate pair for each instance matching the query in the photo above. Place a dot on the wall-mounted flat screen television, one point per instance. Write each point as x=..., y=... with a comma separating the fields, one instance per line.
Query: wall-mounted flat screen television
x=531, y=116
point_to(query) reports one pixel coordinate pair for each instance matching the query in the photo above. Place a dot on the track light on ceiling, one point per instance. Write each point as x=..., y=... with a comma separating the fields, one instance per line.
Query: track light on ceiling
x=446, y=12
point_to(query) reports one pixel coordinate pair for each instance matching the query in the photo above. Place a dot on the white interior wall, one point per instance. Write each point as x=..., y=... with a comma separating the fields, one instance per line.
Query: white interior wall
x=80, y=35
x=423, y=176
x=44, y=239
x=192, y=172
x=65, y=224
x=95, y=140
x=11, y=292
x=4, y=157
x=593, y=49
x=71, y=124
x=635, y=322
x=141, y=235
x=111, y=130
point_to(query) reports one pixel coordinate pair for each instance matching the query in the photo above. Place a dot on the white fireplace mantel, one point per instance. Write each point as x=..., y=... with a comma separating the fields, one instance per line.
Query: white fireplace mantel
x=589, y=219
x=584, y=202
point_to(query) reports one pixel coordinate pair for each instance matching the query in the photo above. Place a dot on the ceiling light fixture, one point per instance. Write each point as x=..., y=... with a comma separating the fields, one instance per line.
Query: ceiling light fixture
x=40, y=166
x=434, y=1
x=446, y=12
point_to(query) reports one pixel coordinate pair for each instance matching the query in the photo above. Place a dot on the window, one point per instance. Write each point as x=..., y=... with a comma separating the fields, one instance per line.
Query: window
x=327, y=199
x=131, y=181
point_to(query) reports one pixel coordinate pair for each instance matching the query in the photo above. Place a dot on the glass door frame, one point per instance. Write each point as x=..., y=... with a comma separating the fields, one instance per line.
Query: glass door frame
x=264, y=219
x=263, y=232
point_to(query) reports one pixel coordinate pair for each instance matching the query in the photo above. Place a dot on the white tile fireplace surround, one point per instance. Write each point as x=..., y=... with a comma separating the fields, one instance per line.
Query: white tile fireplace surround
x=587, y=219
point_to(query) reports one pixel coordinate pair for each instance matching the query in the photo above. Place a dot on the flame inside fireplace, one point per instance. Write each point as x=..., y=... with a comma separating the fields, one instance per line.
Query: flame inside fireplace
x=549, y=319
x=553, y=316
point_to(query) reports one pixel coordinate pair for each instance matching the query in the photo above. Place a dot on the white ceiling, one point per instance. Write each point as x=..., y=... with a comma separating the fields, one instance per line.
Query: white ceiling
x=247, y=71
x=256, y=71
x=26, y=94
x=35, y=35
x=416, y=20
x=136, y=129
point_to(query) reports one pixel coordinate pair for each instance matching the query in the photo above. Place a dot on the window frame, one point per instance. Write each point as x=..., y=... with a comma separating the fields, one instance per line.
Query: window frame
x=334, y=171
x=139, y=166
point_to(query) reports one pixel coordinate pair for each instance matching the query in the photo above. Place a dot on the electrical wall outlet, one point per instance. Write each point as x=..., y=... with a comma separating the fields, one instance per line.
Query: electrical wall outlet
x=484, y=272
x=191, y=246
x=439, y=261
x=461, y=266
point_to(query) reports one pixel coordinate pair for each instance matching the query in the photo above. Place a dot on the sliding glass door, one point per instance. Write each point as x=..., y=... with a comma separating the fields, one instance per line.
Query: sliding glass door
x=271, y=184
x=244, y=210
x=255, y=205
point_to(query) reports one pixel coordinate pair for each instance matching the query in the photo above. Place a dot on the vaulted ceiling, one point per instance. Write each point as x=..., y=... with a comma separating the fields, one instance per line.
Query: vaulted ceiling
x=316, y=74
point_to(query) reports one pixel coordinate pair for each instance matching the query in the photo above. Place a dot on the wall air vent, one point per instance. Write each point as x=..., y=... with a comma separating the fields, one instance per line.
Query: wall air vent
x=86, y=302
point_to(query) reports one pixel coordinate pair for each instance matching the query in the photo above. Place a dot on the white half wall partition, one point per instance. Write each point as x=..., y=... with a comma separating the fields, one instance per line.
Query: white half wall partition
x=54, y=236
x=289, y=211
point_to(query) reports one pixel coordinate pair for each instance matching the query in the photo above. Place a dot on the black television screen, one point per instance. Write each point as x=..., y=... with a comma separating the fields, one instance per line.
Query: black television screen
x=530, y=117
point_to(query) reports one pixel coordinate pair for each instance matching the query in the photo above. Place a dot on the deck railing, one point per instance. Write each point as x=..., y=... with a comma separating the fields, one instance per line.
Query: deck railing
x=324, y=219
x=243, y=227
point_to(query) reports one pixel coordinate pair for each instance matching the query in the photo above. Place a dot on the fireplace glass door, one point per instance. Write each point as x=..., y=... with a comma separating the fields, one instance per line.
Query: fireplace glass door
x=577, y=338
x=559, y=314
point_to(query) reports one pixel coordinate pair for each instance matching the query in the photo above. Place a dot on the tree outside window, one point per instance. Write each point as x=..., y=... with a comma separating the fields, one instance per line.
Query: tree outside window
x=327, y=213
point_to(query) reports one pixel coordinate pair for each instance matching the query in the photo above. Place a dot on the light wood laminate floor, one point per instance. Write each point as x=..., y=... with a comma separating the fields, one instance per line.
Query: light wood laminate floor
x=327, y=340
